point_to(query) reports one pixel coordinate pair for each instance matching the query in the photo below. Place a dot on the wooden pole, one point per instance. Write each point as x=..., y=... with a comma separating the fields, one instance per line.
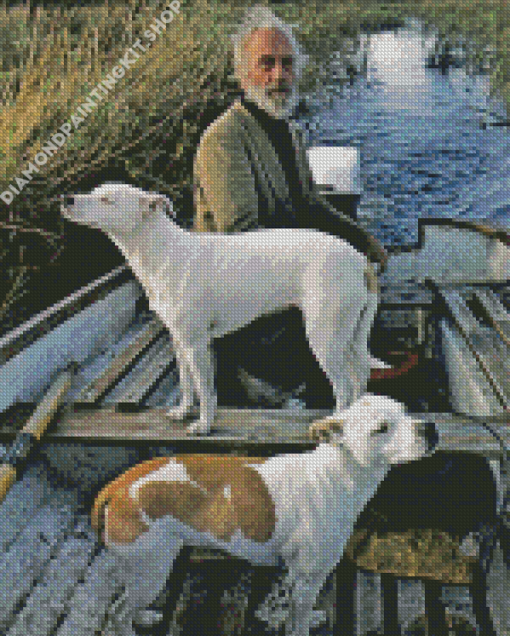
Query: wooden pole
x=34, y=429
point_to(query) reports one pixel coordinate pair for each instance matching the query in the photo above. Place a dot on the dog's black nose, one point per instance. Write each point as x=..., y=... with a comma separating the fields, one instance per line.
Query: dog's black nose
x=431, y=434
x=68, y=200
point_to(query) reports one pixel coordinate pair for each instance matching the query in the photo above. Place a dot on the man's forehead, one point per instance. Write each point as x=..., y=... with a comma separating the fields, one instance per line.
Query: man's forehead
x=267, y=41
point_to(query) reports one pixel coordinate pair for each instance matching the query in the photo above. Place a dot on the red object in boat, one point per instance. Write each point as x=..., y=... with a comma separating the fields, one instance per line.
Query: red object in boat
x=410, y=361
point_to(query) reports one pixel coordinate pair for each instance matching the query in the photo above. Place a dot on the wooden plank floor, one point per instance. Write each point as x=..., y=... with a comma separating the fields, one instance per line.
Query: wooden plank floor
x=52, y=595
x=238, y=428
x=58, y=581
x=56, y=578
x=91, y=599
x=37, y=519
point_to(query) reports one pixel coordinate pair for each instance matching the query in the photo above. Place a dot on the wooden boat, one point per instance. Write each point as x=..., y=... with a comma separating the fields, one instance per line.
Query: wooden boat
x=56, y=578
x=115, y=416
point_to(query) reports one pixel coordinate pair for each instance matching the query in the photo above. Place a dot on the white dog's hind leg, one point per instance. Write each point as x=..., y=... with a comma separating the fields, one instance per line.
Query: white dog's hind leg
x=200, y=363
x=185, y=384
x=358, y=351
x=330, y=330
x=145, y=570
x=359, y=345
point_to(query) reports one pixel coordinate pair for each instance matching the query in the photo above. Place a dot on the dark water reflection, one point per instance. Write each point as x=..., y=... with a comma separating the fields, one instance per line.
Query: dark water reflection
x=424, y=152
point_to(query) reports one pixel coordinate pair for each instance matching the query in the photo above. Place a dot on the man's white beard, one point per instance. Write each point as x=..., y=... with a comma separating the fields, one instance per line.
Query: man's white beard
x=277, y=106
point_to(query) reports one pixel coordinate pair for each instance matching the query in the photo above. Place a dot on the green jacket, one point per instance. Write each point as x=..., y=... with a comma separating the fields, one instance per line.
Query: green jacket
x=237, y=174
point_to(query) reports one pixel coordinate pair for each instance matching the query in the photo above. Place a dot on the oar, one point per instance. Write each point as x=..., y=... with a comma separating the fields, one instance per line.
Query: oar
x=34, y=429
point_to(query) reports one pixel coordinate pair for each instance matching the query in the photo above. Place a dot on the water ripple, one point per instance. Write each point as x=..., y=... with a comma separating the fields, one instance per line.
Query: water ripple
x=423, y=150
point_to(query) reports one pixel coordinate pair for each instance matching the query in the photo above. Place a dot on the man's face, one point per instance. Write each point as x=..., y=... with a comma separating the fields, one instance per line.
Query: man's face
x=269, y=76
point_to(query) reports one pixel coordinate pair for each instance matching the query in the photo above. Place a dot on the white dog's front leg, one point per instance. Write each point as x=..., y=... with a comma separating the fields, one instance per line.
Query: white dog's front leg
x=201, y=366
x=277, y=608
x=302, y=616
x=185, y=384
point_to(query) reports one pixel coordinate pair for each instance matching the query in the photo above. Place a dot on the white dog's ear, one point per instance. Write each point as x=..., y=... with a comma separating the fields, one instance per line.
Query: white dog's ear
x=149, y=203
x=323, y=430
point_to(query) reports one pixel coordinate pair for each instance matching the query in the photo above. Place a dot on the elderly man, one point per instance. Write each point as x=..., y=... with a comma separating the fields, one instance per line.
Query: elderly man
x=251, y=172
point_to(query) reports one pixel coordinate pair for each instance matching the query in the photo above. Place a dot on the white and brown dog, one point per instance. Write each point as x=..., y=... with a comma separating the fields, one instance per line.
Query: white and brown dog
x=203, y=286
x=297, y=507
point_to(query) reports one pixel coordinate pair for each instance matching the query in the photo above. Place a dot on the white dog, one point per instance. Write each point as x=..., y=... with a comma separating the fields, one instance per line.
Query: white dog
x=203, y=286
x=299, y=507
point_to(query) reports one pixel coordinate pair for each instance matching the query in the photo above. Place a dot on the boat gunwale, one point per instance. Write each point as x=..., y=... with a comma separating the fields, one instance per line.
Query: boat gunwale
x=38, y=326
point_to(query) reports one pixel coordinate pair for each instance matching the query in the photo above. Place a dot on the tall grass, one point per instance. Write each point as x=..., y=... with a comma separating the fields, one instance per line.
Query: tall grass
x=479, y=26
x=148, y=115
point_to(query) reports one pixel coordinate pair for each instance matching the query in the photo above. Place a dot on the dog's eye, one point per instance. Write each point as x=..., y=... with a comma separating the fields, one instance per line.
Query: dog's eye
x=105, y=200
x=382, y=429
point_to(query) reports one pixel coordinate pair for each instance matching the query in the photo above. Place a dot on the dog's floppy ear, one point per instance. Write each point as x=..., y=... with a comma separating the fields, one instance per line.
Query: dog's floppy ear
x=149, y=203
x=323, y=430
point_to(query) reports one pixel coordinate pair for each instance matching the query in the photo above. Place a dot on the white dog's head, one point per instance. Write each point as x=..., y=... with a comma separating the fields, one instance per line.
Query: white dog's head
x=377, y=429
x=115, y=208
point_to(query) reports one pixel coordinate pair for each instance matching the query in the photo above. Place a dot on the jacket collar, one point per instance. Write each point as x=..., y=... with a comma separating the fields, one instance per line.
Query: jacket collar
x=251, y=123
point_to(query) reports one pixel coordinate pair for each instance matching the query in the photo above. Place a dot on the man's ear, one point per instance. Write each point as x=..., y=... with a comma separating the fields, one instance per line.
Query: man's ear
x=150, y=203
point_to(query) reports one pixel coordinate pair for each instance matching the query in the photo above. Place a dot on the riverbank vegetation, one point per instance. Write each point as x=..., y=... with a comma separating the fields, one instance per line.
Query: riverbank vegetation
x=146, y=126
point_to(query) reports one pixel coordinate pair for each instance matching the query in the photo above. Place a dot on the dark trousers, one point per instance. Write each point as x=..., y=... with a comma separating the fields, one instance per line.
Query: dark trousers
x=275, y=349
x=450, y=491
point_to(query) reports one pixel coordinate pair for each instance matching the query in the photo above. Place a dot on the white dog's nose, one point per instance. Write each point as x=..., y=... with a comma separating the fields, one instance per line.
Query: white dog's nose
x=67, y=200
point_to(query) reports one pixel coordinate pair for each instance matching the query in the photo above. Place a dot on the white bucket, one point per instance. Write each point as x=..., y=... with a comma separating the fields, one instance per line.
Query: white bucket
x=336, y=168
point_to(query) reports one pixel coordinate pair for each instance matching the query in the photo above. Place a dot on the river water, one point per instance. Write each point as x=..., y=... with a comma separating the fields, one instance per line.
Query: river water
x=424, y=151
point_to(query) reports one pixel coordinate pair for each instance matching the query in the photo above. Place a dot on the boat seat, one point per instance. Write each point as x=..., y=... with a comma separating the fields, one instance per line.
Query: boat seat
x=414, y=528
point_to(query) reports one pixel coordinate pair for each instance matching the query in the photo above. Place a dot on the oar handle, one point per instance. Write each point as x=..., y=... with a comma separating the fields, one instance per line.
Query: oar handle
x=7, y=478
x=41, y=417
x=34, y=429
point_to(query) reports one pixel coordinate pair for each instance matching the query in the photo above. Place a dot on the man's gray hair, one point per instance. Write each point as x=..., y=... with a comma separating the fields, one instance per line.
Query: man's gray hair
x=260, y=17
